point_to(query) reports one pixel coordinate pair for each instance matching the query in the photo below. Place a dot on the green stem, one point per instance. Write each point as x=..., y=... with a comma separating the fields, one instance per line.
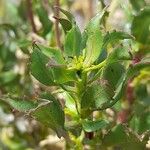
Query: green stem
x=94, y=67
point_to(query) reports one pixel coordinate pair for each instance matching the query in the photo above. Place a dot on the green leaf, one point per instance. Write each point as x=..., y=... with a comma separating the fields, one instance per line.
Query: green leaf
x=115, y=36
x=62, y=75
x=140, y=26
x=66, y=24
x=91, y=126
x=113, y=73
x=39, y=69
x=122, y=137
x=130, y=73
x=137, y=5
x=43, y=16
x=67, y=14
x=7, y=77
x=72, y=44
x=23, y=44
x=54, y=66
x=51, y=114
x=134, y=69
x=84, y=39
x=96, y=96
x=95, y=39
x=118, y=54
x=21, y=105
x=54, y=53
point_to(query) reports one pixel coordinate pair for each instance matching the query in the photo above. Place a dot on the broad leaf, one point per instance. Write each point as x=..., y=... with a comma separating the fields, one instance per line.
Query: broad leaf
x=21, y=105
x=72, y=44
x=56, y=65
x=53, y=53
x=95, y=39
x=115, y=36
x=39, y=69
x=120, y=136
x=113, y=73
x=51, y=114
x=96, y=96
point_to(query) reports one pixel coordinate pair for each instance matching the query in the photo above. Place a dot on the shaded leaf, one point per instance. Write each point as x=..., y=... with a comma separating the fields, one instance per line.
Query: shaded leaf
x=51, y=114
x=96, y=96
x=137, y=5
x=118, y=54
x=91, y=126
x=112, y=73
x=121, y=137
x=115, y=36
x=140, y=26
x=66, y=24
x=39, y=69
x=67, y=14
x=21, y=105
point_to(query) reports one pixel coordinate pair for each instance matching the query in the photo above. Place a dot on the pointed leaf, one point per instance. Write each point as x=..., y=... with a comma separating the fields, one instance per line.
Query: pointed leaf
x=51, y=114
x=21, y=105
x=95, y=39
x=66, y=24
x=115, y=36
x=67, y=14
x=72, y=44
x=39, y=69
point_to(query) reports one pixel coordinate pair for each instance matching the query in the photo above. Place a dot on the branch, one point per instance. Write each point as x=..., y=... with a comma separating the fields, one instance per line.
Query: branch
x=30, y=15
x=57, y=31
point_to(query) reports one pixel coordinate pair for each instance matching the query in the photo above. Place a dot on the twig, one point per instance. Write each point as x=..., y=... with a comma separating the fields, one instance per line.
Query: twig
x=57, y=31
x=30, y=15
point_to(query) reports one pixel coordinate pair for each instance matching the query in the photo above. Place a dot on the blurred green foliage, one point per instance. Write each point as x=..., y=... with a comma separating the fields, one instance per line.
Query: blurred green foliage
x=125, y=125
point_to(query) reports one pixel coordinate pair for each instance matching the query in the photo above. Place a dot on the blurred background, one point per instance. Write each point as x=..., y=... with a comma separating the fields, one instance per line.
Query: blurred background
x=24, y=21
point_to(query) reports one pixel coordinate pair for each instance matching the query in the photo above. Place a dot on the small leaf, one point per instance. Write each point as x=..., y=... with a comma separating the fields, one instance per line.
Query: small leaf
x=67, y=14
x=39, y=69
x=115, y=36
x=91, y=126
x=72, y=44
x=66, y=24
